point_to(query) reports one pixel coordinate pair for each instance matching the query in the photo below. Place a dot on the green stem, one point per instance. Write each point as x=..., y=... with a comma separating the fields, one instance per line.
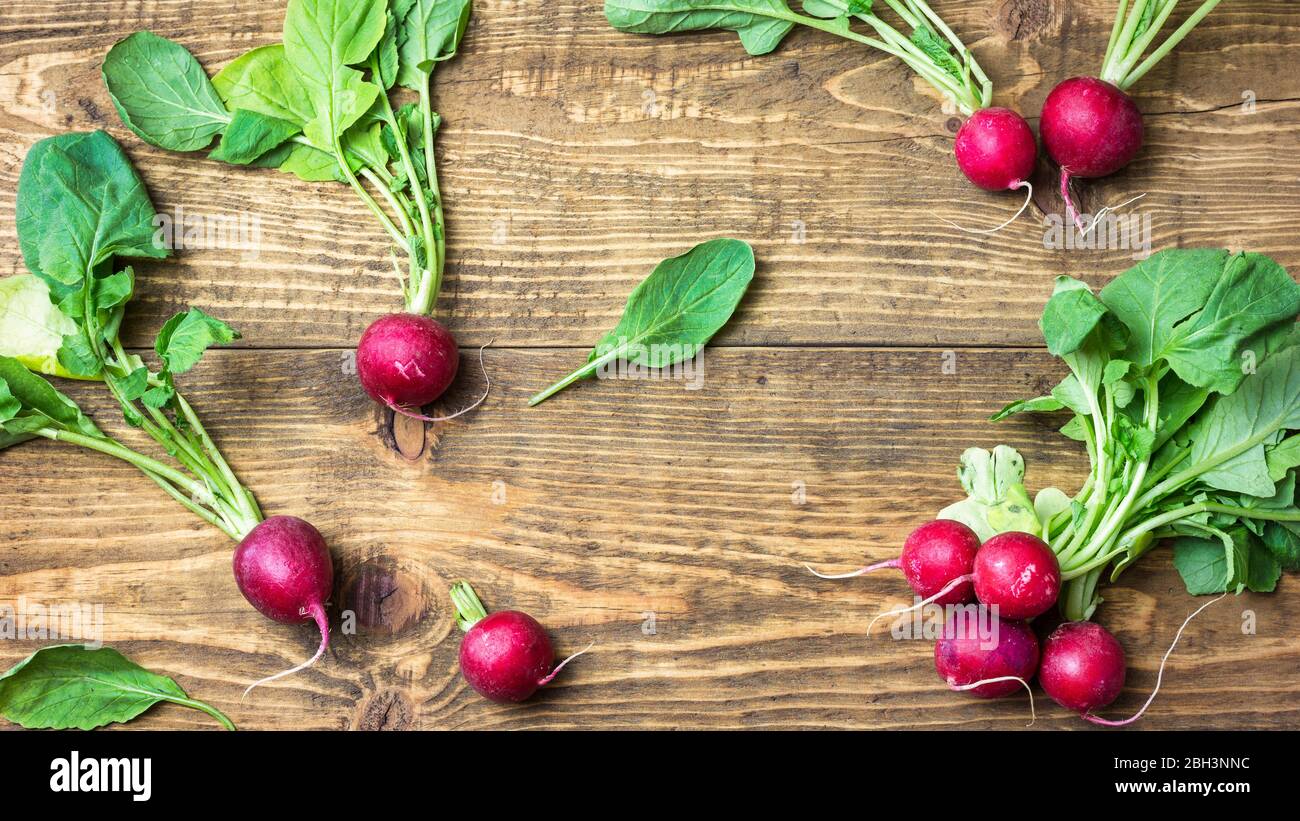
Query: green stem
x=469, y=610
x=369, y=201
x=1114, y=34
x=1109, y=71
x=195, y=704
x=1147, y=37
x=435, y=257
x=1168, y=45
x=240, y=495
x=580, y=373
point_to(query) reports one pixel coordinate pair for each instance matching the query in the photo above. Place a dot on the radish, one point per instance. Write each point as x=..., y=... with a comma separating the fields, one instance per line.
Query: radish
x=283, y=568
x=1090, y=126
x=933, y=556
x=505, y=656
x=989, y=663
x=406, y=360
x=1083, y=666
x=996, y=150
x=1018, y=574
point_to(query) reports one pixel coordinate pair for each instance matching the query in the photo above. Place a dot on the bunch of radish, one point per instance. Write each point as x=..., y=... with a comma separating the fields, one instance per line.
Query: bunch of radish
x=1010, y=579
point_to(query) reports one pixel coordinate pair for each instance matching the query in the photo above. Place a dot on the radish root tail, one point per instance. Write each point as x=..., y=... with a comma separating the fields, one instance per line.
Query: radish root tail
x=545, y=681
x=1029, y=195
x=317, y=612
x=487, y=388
x=1033, y=714
x=1107, y=209
x=1071, y=213
x=871, y=568
x=1160, y=674
x=947, y=588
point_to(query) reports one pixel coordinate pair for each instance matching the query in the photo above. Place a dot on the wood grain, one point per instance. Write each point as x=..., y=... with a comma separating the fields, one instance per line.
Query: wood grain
x=566, y=183
x=619, y=500
x=574, y=158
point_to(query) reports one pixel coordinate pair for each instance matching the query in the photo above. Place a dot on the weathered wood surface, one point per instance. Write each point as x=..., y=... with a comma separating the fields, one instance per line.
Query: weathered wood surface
x=628, y=499
x=617, y=501
x=575, y=157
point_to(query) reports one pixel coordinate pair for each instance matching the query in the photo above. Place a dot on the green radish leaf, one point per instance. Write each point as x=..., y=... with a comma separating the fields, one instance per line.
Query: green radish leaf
x=186, y=336
x=364, y=142
x=384, y=59
x=1070, y=316
x=32, y=328
x=162, y=93
x=308, y=164
x=761, y=24
x=323, y=39
x=1229, y=437
x=74, y=686
x=1283, y=541
x=1282, y=457
x=80, y=203
x=1037, y=405
x=250, y=135
x=682, y=304
x=39, y=396
x=939, y=50
x=262, y=80
x=429, y=32
x=78, y=357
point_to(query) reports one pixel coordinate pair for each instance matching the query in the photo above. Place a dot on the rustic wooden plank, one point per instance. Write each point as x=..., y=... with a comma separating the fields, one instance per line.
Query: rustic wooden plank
x=566, y=182
x=618, y=499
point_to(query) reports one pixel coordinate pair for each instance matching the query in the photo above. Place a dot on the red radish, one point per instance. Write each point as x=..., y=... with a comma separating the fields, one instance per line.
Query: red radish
x=1090, y=126
x=934, y=555
x=1083, y=666
x=997, y=151
x=506, y=656
x=1017, y=573
x=1091, y=129
x=983, y=655
x=283, y=568
x=1160, y=674
x=406, y=360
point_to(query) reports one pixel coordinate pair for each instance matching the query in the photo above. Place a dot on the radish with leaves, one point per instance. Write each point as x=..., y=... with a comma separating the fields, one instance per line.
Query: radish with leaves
x=505, y=656
x=317, y=106
x=1090, y=126
x=81, y=206
x=995, y=148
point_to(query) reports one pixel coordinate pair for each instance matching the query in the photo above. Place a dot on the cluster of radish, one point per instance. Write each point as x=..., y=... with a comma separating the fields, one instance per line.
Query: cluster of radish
x=1014, y=577
x=1090, y=126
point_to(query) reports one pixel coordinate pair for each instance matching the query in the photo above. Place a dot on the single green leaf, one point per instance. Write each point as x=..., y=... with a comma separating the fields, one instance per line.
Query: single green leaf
x=38, y=395
x=761, y=24
x=997, y=501
x=1203, y=564
x=184, y=338
x=250, y=135
x=1070, y=316
x=74, y=686
x=309, y=164
x=77, y=356
x=31, y=327
x=323, y=39
x=1159, y=292
x=262, y=80
x=1283, y=541
x=429, y=32
x=1228, y=439
x=674, y=311
x=80, y=203
x=1178, y=403
x=1036, y=405
x=384, y=60
x=162, y=93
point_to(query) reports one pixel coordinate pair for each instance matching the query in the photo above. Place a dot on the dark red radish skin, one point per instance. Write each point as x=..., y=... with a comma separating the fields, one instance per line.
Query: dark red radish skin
x=1083, y=666
x=934, y=556
x=1018, y=574
x=406, y=360
x=506, y=656
x=996, y=149
x=936, y=553
x=283, y=568
x=1090, y=128
x=962, y=658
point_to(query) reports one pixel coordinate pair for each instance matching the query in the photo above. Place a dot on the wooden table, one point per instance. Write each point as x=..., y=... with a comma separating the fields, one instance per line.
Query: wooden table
x=667, y=525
